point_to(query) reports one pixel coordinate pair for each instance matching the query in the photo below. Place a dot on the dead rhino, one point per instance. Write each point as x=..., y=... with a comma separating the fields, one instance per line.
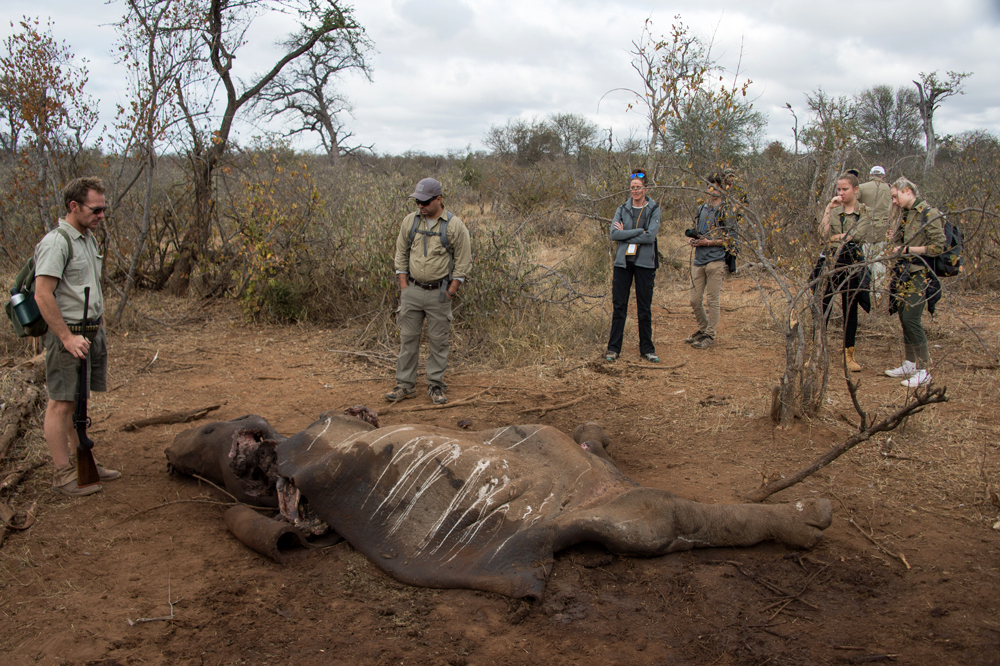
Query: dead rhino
x=484, y=510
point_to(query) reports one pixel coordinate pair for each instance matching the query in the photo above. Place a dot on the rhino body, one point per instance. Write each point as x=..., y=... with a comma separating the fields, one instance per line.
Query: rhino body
x=485, y=510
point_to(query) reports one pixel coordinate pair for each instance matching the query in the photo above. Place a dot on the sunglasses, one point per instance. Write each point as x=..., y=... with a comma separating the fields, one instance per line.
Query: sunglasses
x=97, y=211
x=638, y=174
x=425, y=203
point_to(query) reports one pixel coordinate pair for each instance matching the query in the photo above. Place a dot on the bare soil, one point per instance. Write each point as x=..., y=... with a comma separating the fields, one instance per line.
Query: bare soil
x=908, y=573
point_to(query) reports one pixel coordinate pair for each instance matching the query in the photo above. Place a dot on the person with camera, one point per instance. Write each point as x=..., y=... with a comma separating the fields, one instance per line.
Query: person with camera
x=917, y=229
x=847, y=223
x=634, y=228
x=709, y=238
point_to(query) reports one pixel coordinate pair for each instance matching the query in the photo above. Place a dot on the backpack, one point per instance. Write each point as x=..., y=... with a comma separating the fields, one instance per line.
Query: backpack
x=427, y=232
x=949, y=262
x=720, y=221
x=24, y=284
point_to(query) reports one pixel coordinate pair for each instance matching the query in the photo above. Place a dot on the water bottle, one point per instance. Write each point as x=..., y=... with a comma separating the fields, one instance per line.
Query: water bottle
x=24, y=307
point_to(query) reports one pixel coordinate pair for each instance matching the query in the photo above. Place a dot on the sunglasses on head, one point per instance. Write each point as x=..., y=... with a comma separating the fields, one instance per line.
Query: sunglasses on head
x=638, y=174
x=425, y=203
x=97, y=211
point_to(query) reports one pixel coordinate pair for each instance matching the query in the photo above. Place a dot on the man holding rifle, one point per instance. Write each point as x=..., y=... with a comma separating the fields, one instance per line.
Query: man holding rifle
x=62, y=279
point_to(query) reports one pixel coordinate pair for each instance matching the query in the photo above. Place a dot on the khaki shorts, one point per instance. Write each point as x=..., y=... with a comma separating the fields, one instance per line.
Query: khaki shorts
x=62, y=370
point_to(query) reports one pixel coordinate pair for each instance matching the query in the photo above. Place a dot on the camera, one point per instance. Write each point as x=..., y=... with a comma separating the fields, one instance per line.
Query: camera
x=692, y=233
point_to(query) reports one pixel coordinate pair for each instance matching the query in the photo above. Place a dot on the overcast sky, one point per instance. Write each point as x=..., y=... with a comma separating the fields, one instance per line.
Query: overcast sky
x=445, y=70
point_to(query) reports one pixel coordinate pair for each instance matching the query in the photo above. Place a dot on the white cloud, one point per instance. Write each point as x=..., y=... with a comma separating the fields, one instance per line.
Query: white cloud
x=445, y=70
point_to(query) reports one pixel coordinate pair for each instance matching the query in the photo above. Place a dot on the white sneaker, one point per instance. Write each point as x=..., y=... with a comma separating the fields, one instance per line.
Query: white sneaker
x=919, y=378
x=907, y=370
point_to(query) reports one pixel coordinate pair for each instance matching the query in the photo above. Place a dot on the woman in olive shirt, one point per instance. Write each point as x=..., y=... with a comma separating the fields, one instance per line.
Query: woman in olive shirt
x=917, y=229
x=847, y=223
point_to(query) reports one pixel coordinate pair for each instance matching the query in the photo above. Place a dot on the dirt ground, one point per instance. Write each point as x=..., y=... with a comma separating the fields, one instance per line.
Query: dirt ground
x=909, y=572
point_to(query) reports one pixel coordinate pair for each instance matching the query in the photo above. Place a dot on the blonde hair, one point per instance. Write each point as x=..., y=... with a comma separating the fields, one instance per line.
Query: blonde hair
x=904, y=183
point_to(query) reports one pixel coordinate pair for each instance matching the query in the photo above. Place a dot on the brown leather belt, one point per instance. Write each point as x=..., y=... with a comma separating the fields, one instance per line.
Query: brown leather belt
x=429, y=286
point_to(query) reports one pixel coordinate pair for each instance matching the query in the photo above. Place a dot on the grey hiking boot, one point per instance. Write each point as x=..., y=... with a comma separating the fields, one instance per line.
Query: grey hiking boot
x=694, y=337
x=400, y=393
x=437, y=395
x=704, y=342
x=64, y=481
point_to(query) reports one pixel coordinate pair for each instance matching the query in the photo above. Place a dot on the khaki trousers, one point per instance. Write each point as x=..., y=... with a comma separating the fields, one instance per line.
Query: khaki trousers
x=416, y=305
x=706, y=285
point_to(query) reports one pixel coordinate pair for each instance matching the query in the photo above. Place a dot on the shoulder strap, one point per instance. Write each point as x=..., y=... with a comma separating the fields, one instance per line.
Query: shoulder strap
x=69, y=245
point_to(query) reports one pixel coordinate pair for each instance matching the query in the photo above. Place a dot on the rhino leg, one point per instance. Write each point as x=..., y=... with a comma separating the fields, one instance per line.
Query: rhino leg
x=651, y=522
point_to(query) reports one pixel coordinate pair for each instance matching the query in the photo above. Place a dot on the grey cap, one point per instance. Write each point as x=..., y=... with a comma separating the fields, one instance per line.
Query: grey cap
x=428, y=188
x=877, y=171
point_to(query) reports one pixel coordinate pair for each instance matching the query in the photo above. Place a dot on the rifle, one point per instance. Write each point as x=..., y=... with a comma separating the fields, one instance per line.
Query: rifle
x=86, y=468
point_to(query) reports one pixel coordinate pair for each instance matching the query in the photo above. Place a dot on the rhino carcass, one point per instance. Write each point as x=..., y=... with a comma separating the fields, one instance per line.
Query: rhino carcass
x=484, y=510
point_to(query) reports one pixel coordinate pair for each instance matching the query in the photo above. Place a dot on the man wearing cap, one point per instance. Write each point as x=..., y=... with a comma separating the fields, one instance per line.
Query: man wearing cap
x=875, y=195
x=429, y=273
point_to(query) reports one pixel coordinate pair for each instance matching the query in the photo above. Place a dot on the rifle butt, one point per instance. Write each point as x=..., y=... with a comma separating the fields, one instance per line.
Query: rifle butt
x=86, y=468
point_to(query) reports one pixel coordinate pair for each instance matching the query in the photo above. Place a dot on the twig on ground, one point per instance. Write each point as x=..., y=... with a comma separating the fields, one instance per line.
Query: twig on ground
x=551, y=408
x=146, y=367
x=424, y=408
x=646, y=366
x=171, y=603
x=913, y=406
x=176, y=417
x=898, y=556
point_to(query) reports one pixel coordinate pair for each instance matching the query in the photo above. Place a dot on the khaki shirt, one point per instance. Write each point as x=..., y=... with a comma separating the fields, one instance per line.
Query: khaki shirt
x=858, y=225
x=83, y=270
x=875, y=195
x=428, y=259
x=912, y=229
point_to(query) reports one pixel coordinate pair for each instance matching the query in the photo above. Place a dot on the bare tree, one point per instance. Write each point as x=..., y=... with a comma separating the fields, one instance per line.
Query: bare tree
x=306, y=88
x=222, y=26
x=931, y=92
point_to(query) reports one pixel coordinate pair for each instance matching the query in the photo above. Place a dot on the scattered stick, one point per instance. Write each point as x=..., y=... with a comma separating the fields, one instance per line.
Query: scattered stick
x=176, y=417
x=146, y=367
x=646, y=366
x=545, y=410
x=170, y=603
x=913, y=406
x=382, y=358
x=14, y=477
x=898, y=556
x=447, y=405
x=15, y=417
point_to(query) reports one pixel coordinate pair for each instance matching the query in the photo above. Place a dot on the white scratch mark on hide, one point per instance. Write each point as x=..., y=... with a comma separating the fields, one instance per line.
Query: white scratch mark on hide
x=472, y=480
x=522, y=441
x=411, y=475
x=328, y=421
x=470, y=532
x=436, y=474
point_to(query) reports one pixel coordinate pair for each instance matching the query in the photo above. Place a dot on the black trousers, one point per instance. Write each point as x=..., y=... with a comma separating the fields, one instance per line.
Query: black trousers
x=621, y=286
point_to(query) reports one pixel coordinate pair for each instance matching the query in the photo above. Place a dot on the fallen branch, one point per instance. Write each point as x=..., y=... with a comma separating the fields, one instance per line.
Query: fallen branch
x=898, y=556
x=170, y=603
x=176, y=417
x=15, y=417
x=914, y=406
x=424, y=408
x=545, y=410
x=14, y=477
x=646, y=366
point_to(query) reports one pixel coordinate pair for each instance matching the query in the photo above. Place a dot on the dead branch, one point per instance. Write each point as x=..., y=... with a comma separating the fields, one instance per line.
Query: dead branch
x=176, y=417
x=551, y=408
x=646, y=366
x=913, y=406
x=170, y=603
x=15, y=418
x=14, y=477
x=423, y=408
x=898, y=556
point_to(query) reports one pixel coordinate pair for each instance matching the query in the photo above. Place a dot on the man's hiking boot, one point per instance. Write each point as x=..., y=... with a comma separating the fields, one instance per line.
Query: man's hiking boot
x=64, y=481
x=694, y=337
x=102, y=471
x=437, y=395
x=852, y=365
x=400, y=393
x=704, y=342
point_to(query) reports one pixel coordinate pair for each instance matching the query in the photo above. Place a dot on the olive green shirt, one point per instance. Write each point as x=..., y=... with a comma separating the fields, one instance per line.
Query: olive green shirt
x=916, y=229
x=858, y=225
x=428, y=260
x=875, y=195
x=83, y=270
